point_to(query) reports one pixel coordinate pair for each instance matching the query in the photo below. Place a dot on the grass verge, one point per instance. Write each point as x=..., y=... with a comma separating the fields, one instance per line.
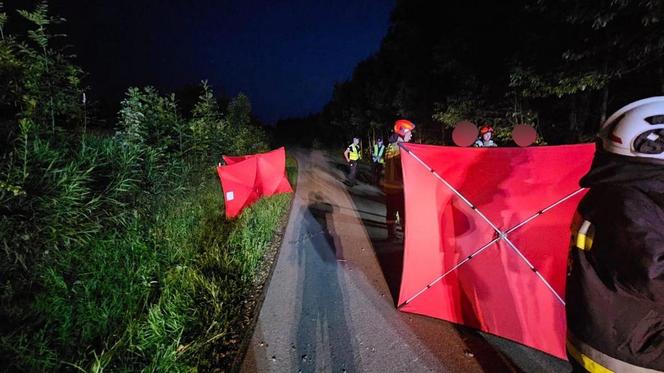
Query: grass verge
x=169, y=293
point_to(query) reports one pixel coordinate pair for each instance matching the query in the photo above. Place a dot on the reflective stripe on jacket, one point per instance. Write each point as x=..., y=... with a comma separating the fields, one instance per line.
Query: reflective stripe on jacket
x=378, y=152
x=597, y=362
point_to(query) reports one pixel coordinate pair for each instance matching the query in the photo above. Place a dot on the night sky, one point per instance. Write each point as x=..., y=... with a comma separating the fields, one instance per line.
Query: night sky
x=285, y=55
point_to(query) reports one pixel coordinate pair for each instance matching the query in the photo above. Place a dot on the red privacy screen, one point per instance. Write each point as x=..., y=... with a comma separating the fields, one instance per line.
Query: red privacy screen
x=245, y=179
x=238, y=182
x=488, y=235
x=271, y=171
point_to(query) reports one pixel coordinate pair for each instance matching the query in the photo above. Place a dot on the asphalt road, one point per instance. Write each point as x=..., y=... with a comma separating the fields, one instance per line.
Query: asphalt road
x=330, y=305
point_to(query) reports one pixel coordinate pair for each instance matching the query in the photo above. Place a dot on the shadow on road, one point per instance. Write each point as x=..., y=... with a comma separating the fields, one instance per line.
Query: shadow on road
x=322, y=335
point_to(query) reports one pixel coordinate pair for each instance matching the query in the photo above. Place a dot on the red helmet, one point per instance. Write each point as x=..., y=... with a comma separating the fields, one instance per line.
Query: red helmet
x=486, y=129
x=401, y=125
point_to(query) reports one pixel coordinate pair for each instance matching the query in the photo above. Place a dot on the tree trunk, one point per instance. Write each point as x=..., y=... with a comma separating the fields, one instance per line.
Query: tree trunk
x=605, y=104
x=573, y=123
x=605, y=91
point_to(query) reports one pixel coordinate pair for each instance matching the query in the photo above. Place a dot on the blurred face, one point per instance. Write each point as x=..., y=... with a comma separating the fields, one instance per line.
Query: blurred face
x=356, y=141
x=407, y=136
x=487, y=136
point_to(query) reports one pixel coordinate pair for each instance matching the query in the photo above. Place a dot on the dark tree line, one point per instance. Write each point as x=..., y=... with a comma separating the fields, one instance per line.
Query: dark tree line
x=559, y=65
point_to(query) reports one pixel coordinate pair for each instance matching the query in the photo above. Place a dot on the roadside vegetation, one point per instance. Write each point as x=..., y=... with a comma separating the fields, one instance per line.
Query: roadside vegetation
x=115, y=254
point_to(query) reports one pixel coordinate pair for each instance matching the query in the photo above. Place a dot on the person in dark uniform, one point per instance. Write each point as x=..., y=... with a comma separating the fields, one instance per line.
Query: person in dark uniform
x=352, y=155
x=615, y=283
x=393, y=181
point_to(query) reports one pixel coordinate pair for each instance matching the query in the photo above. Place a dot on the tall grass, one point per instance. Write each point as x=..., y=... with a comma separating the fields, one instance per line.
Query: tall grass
x=162, y=295
x=113, y=251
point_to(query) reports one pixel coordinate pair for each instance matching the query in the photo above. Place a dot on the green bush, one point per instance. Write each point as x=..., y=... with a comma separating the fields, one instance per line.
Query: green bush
x=164, y=301
x=114, y=253
x=162, y=292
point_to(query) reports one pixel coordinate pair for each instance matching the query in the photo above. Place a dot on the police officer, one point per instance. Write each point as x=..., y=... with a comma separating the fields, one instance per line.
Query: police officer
x=352, y=155
x=615, y=285
x=377, y=160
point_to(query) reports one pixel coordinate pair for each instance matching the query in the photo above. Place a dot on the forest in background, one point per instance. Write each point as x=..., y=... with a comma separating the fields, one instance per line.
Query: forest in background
x=562, y=66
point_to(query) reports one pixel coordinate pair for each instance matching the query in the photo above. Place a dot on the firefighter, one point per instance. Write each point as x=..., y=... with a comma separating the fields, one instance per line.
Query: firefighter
x=352, y=155
x=393, y=181
x=615, y=283
x=485, y=140
x=377, y=160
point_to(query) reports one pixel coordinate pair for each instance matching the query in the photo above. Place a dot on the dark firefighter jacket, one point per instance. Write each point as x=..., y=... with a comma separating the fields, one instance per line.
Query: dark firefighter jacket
x=615, y=287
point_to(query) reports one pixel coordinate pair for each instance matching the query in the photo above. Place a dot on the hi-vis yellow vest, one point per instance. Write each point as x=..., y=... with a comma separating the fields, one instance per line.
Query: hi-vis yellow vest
x=354, y=152
x=378, y=153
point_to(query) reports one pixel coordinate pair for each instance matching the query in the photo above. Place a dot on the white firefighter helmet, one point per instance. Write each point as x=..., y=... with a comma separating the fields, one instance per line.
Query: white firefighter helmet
x=636, y=130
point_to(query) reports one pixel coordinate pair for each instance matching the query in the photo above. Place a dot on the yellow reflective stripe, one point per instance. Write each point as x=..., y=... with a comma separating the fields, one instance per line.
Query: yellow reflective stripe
x=586, y=362
x=580, y=241
x=584, y=237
